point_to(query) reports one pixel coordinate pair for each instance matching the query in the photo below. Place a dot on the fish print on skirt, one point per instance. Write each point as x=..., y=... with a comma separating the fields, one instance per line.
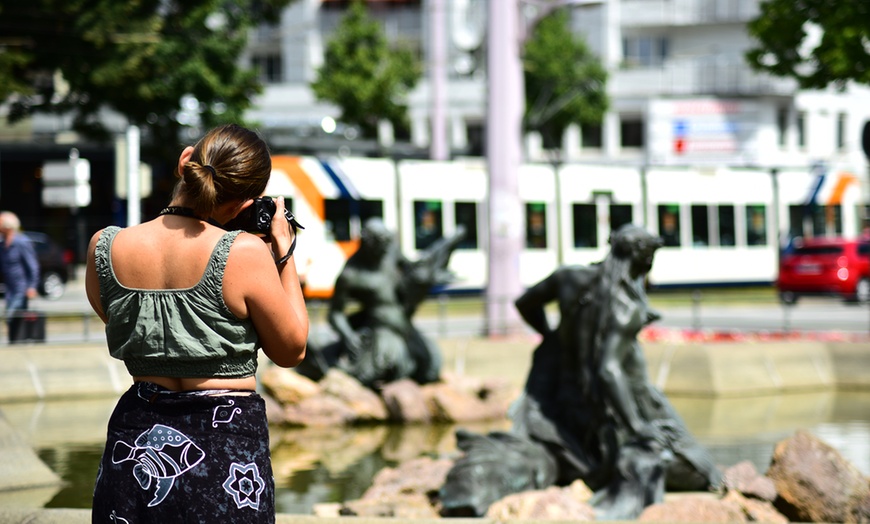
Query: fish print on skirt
x=161, y=453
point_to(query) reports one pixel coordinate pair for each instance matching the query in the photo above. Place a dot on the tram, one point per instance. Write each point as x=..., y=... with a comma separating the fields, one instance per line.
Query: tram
x=720, y=226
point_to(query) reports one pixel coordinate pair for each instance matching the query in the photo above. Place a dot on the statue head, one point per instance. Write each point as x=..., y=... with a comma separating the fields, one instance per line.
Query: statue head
x=375, y=238
x=637, y=245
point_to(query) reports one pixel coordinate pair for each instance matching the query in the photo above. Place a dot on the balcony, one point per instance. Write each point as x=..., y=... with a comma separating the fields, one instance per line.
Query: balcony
x=667, y=13
x=699, y=76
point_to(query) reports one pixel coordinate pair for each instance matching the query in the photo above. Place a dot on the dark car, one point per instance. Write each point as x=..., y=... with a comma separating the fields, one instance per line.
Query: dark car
x=832, y=266
x=54, y=265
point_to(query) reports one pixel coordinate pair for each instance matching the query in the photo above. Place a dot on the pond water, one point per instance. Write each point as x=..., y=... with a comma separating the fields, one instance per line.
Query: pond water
x=314, y=466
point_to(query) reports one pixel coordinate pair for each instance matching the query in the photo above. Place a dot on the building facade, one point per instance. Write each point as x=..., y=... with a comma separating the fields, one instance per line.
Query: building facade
x=681, y=91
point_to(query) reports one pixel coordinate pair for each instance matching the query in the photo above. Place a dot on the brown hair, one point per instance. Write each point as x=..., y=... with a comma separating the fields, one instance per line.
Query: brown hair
x=229, y=163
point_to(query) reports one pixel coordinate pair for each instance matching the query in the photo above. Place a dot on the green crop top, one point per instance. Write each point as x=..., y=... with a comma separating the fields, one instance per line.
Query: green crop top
x=183, y=333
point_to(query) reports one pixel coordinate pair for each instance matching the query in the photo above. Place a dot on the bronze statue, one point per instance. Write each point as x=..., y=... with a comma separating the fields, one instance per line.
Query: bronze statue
x=588, y=401
x=378, y=343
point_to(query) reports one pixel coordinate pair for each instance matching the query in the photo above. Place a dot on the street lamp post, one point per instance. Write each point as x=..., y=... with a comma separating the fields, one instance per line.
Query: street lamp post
x=503, y=153
x=505, y=104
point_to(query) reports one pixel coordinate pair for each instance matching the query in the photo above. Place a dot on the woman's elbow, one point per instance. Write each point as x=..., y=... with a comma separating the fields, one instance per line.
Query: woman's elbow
x=289, y=358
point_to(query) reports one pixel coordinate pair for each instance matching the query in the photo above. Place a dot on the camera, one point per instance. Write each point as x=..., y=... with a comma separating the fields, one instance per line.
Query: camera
x=257, y=218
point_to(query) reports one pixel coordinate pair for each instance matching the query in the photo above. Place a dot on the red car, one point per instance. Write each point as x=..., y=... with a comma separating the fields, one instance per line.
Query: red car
x=826, y=266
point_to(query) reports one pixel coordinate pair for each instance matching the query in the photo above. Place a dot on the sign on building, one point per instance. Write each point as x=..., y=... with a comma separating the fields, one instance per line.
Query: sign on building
x=703, y=131
x=66, y=183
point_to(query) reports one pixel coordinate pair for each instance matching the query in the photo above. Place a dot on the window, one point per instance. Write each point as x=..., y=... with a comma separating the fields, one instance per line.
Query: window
x=466, y=215
x=756, y=225
x=631, y=131
x=268, y=67
x=841, y=130
x=645, y=51
x=801, y=129
x=669, y=224
x=620, y=215
x=781, y=125
x=427, y=223
x=370, y=209
x=726, y=226
x=590, y=135
x=536, y=225
x=814, y=220
x=585, y=226
x=700, y=225
x=476, y=137
x=337, y=219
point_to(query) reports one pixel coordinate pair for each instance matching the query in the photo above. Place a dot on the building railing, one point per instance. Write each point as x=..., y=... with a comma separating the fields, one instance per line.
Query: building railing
x=649, y=13
x=722, y=76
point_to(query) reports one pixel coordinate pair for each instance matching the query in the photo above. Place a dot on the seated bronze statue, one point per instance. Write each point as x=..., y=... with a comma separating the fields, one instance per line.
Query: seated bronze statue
x=378, y=342
x=588, y=403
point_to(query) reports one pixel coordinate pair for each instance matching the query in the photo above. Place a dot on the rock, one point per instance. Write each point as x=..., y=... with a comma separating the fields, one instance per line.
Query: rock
x=410, y=506
x=815, y=483
x=756, y=510
x=693, y=508
x=365, y=403
x=286, y=386
x=448, y=404
x=319, y=411
x=405, y=401
x=553, y=503
x=744, y=478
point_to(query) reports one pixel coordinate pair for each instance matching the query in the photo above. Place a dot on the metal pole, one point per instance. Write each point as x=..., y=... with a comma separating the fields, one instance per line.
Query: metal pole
x=438, y=78
x=134, y=211
x=503, y=152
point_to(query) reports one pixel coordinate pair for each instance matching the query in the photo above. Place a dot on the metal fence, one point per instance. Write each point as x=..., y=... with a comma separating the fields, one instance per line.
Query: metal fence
x=446, y=316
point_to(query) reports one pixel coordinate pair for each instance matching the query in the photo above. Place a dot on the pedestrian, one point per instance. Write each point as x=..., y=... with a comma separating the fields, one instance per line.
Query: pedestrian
x=187, y=305
x=20, y=269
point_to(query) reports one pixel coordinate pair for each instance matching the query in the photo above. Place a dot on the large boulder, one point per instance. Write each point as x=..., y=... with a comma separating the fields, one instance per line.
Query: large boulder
x=816, y=484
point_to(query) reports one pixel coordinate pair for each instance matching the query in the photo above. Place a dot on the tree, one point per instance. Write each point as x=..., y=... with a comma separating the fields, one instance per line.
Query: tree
x=137, y=57
x=564, y=82
x=364, y=76
x=816, y=42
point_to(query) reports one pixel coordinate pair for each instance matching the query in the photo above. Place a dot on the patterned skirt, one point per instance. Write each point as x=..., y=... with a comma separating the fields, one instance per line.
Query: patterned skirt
x=193, y=456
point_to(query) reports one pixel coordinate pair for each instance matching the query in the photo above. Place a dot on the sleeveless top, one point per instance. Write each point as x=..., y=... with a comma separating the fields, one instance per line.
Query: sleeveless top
x=179, y=333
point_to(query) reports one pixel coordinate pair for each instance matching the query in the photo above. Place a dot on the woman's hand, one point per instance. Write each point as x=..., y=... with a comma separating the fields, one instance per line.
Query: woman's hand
x=281, y=232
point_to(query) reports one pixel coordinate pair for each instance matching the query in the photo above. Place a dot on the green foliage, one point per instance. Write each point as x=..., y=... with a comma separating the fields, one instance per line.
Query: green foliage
x=138, y=57
x=843, y=50
x=363, y=75
x=564, y=82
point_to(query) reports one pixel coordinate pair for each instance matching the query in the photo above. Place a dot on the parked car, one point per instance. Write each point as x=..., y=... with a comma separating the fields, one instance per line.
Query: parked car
x=826, y=266
x=54, y=265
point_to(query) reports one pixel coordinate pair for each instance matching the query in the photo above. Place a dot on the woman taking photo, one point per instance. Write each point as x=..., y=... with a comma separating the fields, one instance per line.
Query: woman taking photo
x=187, y=305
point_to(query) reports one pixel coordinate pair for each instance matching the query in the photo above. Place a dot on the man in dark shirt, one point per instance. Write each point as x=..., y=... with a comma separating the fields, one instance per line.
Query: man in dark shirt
x=20, y=269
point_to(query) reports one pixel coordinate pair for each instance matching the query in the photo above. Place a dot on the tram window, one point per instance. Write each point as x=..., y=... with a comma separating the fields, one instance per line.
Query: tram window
x=536, y=225
x=370, y=209
x=756, y=225
x=585, y=226
x=726, y=226
x=669, y=224
x=466, y=215
x=337, y=219
x=700, y=225
x=620, y=215
x=427, y=223
x=815, y=220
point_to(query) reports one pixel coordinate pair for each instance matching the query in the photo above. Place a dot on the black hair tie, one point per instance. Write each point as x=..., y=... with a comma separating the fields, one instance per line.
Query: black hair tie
x=213, y=172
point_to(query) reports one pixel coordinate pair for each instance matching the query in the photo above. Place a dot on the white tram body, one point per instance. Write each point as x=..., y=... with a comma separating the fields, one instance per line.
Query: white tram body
x=721, y=226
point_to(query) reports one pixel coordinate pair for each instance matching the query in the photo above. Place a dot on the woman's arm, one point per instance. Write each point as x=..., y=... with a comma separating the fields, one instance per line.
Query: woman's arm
x=272, y=294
